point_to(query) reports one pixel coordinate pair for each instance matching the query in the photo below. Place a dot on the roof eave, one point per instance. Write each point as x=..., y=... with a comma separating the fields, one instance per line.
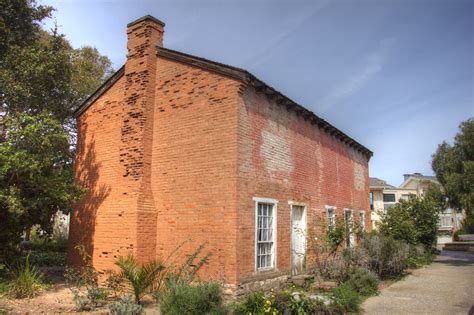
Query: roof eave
x=100, y=90
x=260, y=86
x=238, y=74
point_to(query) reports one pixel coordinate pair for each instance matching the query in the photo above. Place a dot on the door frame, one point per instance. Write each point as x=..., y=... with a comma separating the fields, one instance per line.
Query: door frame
x=292, y=203
x=351, y=241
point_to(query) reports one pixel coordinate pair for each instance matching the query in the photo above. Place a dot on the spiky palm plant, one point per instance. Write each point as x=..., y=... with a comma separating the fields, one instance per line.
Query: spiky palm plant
x=142, y=277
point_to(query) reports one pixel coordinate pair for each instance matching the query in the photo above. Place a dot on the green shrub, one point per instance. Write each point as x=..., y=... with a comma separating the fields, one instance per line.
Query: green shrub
x=363, y=281
x=386, y=256
x=353, y=258
x=87, y=294
x=125, y=306
x=415, y=221
x=337, y=268
x=203, y=298
x=297, y=303
x=48, y=259
x=114, y=283
x=418, y=257
x=281, y=301
x=332, y=268
x=4, y=310
x=97, y=296
x=3, y=286
x=41, y=241
x=456, y=235
x=345, y=300
x=26, y=280
x=468, y=224
x=255, y=303
x=94, y=297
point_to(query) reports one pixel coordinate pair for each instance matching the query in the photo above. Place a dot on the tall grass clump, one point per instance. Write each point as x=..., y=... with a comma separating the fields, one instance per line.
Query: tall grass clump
x=26, y=281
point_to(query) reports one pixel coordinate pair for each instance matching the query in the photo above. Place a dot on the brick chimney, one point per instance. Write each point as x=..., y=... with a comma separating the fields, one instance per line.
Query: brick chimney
x=143, y=35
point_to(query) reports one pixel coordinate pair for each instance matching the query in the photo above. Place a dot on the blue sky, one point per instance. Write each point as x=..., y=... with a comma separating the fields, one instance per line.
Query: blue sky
x=398, y=76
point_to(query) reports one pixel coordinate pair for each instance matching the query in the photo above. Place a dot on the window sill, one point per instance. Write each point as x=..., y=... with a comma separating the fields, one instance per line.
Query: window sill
x=266, y=270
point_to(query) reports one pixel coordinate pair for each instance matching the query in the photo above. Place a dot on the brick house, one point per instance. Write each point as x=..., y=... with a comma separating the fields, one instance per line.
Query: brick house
x=175, y=147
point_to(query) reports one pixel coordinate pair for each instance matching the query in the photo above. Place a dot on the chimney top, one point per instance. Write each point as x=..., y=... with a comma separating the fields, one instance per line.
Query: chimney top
x=407, y=176
x=144, y=18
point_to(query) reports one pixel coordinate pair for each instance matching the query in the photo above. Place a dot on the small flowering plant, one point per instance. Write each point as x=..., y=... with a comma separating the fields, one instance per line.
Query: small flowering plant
x=269, y=301
x=257, y=303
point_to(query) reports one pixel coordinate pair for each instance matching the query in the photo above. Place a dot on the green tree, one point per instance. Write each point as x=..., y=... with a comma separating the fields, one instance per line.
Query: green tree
x=19, y=23
x=42, y=80
x=40, y=70
x=35, y=174
x=89, y=70
x=415, y=221
x=37, y=77
x=454, y=168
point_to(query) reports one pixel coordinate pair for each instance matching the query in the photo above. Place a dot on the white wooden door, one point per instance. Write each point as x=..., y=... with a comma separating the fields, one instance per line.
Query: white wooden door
x=349, y=220
x=298, y=239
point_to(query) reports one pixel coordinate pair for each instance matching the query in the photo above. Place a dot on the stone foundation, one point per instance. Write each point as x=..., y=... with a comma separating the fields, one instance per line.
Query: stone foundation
x=232, y=292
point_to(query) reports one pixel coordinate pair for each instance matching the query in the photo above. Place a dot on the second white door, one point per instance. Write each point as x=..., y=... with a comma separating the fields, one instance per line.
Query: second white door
x=298, y=239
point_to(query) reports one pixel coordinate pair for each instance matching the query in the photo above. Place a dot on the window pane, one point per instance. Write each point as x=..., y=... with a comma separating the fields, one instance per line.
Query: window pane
x=331, y=218
x=387, y=206
x=388, y=197
x=265, y=235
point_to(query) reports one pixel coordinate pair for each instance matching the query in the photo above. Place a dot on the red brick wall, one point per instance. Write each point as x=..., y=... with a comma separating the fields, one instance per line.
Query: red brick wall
x=192, y=175
x=172, y=153
x=284, y=157
x=101, y=221
x=118, y=215
x=194, y=164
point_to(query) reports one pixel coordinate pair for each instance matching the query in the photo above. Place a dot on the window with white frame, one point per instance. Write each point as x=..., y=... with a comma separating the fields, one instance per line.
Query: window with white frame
x=388, y=201
x=331, y=211
x=265, y=235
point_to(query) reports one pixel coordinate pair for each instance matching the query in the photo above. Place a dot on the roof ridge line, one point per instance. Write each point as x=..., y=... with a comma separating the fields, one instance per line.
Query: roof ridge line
x=247, y=77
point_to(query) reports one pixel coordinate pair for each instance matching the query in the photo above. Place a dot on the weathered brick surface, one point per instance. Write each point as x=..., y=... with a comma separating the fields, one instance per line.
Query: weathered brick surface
x=101, y=221
x=284, y=157
x=173, y=153
x=194, y=163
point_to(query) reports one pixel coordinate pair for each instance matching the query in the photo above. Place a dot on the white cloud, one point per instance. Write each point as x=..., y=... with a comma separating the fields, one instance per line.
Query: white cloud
x=373, y=65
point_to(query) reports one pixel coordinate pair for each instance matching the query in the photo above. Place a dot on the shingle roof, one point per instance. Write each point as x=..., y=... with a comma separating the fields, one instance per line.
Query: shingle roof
x=244, y=76
x=375, y=182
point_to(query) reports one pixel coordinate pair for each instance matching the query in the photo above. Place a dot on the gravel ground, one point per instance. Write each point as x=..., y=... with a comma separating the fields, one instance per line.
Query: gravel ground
x=444, y=287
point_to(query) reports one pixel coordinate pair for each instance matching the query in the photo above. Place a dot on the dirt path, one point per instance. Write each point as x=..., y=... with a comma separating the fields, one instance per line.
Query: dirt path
x=444, y=287
x=53, y=301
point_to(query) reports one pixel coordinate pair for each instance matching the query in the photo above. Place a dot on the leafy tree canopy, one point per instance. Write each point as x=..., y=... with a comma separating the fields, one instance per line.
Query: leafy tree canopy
x=42, y=80
x=20, y=22
x=35, y=173
x=44, y=72
x=454, y=168
x=415, y=221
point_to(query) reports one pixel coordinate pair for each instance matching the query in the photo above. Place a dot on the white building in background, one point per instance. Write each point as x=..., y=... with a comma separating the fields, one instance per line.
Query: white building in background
x=383, y=196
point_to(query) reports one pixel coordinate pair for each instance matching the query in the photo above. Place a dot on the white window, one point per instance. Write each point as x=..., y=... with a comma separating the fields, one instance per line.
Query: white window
x=388, y=201
x=265, y=231
x=331, y=211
